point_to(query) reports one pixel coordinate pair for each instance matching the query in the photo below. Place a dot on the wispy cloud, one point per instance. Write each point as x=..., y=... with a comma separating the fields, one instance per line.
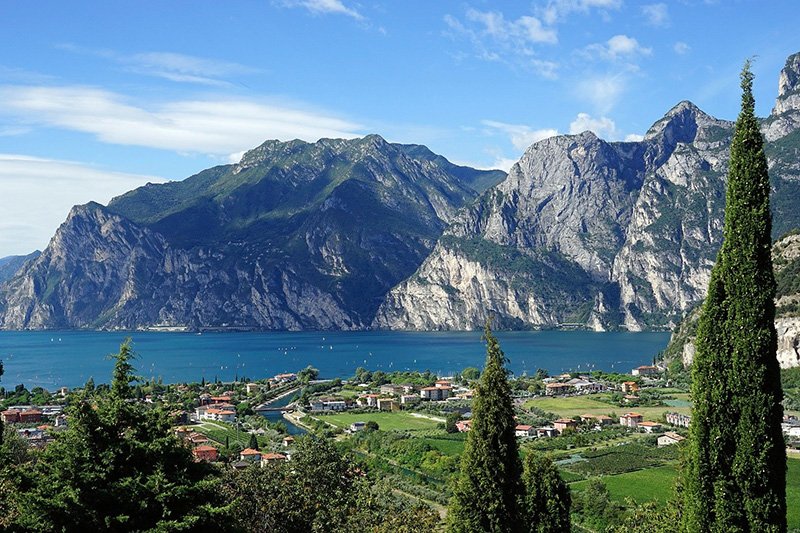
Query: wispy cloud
x=558, y=10
x=656, y=14
x=170, y=65
x=57, y=186
x=210, y=126
x=603, y=91
x=521, y=136
x=336, y=7
x=514, y=41
x=681, y=48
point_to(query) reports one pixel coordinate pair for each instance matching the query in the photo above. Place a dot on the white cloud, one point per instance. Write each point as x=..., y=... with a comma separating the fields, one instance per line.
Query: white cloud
x=603, y=92
x=681, y=48
x=514, y=41
x=634, y=137
x=617, y=47
x=656, y=14
x=521, y=136
x=335, y=7
x=557, y=10
x=525, y=29
x=212, y=126
x=27, y=225
x=602, y=127
x=169, y=65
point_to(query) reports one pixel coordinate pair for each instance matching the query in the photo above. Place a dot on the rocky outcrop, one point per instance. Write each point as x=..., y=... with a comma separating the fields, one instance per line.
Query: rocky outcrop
x=786, y=263
x=785, y=116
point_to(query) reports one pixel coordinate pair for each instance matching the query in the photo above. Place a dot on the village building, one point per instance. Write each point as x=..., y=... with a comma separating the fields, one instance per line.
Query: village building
x=435, y=394
x=252, y=388
x=646, y=370
x=628, y=398
x=669, y=438
x=563, y=424
x=272, y=458
x=357, y=426
x=10, y=416
x=285, y=378
x=555, y=389
x=368, y=400
x=288, y=441
x=524, y=431
x=30, y=416
x=629, y=387
x=409, y=399
x=604, y=420
x=585, y=386
x=678, y=419
x=442, y=383
x=630, y=420
x=388, y=404
x=206, y=453
x=587, y=418
x=32, y=435
x=390, y=388
x=219, y=415
x=328, y=404
x=546, y=432
x=249, y=454
x=464, y=425
x=649, y=427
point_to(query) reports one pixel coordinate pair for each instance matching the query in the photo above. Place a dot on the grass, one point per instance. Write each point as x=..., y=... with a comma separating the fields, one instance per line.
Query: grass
x=658, y=484
x=386, y=421
x=641, y=486
x=577, y=405
x=447, y=446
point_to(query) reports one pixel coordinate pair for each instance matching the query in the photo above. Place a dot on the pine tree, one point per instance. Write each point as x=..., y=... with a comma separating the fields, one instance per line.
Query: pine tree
x=736, y=462
x=488, y=493
x=547, y=497
x=253, y=444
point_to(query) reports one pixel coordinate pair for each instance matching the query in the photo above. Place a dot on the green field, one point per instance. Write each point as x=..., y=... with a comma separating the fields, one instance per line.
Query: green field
x=658, y=484
x=401, y=421
x=447, y=446
x=592, y=404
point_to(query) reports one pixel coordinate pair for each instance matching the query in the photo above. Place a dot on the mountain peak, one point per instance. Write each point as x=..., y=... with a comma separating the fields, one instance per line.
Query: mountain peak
x=681, y=123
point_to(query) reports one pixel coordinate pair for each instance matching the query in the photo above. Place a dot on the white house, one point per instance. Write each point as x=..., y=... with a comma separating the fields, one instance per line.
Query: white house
x=669, y=438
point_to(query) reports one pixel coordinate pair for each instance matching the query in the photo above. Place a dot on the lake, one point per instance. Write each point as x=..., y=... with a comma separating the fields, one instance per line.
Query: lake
x=52, y=359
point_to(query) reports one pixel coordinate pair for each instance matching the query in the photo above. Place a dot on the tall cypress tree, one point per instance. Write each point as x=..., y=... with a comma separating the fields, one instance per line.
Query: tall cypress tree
x=547, y=497
x=488, y=493
x=736, y=462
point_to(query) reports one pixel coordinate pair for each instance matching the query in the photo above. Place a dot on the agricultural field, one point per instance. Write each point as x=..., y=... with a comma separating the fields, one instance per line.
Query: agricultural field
x=399, y=421
x=569, y=406
x=657, y=484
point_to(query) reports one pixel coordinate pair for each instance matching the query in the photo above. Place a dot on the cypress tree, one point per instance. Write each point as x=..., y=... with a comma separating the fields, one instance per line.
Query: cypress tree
x=547, y=497
x=736, y=462
x=488, y=493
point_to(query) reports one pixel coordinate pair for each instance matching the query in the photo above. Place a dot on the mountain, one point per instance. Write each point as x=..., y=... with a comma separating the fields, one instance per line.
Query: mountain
x=786, y=263
x=598, y=234
x=11, y=264
x=295, y=236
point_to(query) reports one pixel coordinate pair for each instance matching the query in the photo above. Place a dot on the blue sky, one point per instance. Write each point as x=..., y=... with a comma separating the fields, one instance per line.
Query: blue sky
x=99, y=97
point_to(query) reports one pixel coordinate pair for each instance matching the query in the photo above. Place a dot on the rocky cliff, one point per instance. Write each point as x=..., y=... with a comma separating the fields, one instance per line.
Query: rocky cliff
x=786, y=263
x=598, y=234
x=296, y=236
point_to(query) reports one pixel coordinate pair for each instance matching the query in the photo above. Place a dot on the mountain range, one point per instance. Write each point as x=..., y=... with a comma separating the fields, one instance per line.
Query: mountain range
x=362, y=233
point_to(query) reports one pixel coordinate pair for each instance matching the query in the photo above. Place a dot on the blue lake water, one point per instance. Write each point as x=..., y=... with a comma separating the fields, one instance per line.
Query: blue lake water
x=68, y=358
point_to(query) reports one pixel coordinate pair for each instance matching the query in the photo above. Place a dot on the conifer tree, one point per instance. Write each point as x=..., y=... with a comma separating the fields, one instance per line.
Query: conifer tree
x=736, y=462
x=547, y=497
x=488, y=493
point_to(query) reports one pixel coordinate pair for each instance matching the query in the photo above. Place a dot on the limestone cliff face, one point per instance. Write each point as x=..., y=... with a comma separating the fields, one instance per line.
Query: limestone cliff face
x=295, y=236
x=626, y=233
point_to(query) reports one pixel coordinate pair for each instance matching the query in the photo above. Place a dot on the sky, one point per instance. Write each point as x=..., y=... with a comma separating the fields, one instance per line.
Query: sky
x=99, y=97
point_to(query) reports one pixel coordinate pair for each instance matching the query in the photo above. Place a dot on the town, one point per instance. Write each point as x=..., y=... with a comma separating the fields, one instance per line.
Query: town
x=411, y=426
